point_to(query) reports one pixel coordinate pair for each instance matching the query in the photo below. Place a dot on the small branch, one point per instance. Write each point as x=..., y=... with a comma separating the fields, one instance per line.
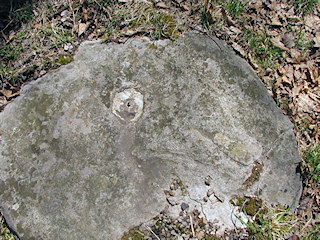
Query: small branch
x=191, y=223
x=153, y=233
x=206, y=33
x=7, y=26
x=103, y=8
x=306, y=224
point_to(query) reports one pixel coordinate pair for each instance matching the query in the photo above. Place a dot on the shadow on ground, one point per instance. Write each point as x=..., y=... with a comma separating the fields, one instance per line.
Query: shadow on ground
x=13, y=12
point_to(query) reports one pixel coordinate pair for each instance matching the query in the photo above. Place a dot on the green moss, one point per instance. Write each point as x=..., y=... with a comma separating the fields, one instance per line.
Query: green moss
x=212, y=238
x=182, y=187
x=250, y=205
x=254, y=176
x=313, y=161
x=65, y=59
x=133, y=234
x=166, y=26
x=111, y=32
x=152, y=46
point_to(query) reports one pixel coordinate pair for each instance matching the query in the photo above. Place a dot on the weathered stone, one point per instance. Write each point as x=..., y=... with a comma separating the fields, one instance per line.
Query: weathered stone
x=184, y=206
x=88, y=150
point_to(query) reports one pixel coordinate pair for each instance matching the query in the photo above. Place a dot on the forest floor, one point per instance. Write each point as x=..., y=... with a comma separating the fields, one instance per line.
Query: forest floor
x=280, y=39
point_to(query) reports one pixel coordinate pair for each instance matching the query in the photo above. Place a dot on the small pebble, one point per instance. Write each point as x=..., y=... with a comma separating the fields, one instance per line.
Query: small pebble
x=171, y=201
x=42, y=72
x=185, y=223
x=184, y=206
x=64, y=13
x=35, y=75
x=210, y=192
x=268, y=71
x=172, y=193
x=208, y=180
x=219, y=197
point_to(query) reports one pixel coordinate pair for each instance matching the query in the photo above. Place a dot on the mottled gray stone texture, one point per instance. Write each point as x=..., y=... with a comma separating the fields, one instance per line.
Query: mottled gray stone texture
x=88, y=150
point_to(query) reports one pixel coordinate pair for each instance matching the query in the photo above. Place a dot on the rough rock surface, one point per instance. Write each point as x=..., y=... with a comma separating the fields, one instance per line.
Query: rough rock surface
x=88, y=150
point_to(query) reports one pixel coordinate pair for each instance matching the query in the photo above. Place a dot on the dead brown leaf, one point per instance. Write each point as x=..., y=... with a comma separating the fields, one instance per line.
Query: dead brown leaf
x=306, y=104
x=287, y=80
x=313, y=72
x=253, y=61
x=235, y=30
x=238, y=49
x=282, y=70
x=82, y=28
x=185, y=7
x=290, y=71
x=296, y=56
x=276, y=41
x=162, y=5
x=297, y=75
x=85, y=14
x=227, y=18
x=316, y=40
x=275, y=21
x=9, y=93
x=11, y=36
x=314, y=96
x=312, y=22
x=3, y=101
x=288, y=40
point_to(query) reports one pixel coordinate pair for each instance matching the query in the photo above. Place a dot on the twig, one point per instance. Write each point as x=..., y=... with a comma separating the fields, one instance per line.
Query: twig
x=191, y=223
x=306, y=224
x=153, y=233
x=206, y=33
x=73, y=17
x=103, y=8
x=7, y=26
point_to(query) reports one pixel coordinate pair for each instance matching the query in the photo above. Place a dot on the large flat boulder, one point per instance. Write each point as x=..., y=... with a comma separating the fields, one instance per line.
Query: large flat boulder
x=88, y=150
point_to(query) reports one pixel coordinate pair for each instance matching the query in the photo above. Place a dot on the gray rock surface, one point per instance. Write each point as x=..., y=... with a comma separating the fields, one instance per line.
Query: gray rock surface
x=88, y=150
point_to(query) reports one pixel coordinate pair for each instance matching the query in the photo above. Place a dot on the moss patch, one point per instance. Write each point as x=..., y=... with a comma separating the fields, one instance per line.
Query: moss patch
x=254, y=176
x=65, y=59
x=133, y=234
x=178, y=184
x=249, y=205
x=153, y=46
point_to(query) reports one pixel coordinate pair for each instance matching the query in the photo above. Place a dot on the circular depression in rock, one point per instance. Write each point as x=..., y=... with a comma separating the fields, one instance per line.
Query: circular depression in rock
x=128, y=105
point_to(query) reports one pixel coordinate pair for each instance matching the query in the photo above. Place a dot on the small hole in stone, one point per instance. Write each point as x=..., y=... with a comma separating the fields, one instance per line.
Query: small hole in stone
x=128, y=104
